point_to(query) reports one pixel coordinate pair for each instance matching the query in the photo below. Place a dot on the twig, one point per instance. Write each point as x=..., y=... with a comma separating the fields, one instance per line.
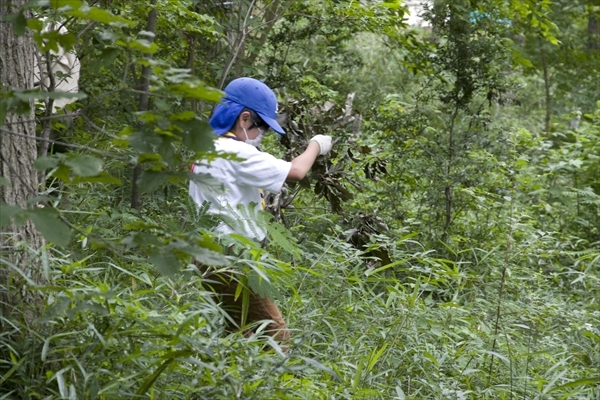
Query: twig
x=75, y=146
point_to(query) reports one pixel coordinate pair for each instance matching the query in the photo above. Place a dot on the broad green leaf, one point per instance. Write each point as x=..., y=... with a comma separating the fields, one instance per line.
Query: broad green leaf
x=35, y=24
x=8, y=211
x=50, y=226
x=66, y=4
x=103, y=177
x=99, y=15
x=62, y=173
x=144, y=142
x=67, y=40
x=150, y=181
x=165, y=261
x=33, y=94
x=182, y=116
x=208, y=257
x=20, y=23
x=63, y=95
x=144, y=46
x=148, y=157
x=167, y=152
x=196, y=90
x=198, y=136
x=48, y=162
x=207, y=183
x=40, y=199
x=84, y=165
x=3, y=108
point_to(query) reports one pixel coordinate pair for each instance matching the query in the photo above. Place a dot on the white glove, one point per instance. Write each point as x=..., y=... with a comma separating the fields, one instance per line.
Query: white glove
x=324, y=142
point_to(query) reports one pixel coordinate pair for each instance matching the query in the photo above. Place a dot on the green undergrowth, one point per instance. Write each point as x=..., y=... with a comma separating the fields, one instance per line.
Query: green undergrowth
x=424, y=327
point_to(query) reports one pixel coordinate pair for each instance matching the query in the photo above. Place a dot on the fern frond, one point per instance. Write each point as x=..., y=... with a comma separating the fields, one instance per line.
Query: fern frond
x=281, y=237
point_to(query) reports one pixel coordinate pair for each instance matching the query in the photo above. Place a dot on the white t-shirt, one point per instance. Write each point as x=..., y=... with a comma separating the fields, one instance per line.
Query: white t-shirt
x=65, y=62
x=238, y=200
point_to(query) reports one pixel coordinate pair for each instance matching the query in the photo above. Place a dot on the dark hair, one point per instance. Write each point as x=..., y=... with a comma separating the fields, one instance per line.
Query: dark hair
x=257, y=121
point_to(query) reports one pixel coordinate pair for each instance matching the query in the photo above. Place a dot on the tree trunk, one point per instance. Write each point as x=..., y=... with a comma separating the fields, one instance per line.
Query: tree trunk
x=547, y=84
x=17, y=154
x=136, y=201
x=593, y=43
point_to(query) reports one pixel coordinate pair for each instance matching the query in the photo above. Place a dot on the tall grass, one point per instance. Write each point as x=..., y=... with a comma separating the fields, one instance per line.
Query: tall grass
x=424, y=328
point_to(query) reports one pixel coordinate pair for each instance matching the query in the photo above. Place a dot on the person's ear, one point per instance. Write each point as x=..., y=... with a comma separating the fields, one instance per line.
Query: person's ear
x=245, y=120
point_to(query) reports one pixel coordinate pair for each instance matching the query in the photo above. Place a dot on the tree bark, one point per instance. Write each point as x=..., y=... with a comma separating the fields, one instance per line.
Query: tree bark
x=17, y=155
x=136, y=201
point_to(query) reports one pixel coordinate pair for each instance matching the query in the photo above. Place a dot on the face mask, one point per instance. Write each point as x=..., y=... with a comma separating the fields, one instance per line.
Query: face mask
x=256, y=141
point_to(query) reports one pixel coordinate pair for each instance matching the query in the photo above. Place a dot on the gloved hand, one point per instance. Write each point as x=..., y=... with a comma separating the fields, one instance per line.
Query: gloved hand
x=324, y=142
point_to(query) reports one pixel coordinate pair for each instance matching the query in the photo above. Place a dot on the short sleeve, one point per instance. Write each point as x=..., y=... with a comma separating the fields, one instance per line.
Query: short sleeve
x=262, y=170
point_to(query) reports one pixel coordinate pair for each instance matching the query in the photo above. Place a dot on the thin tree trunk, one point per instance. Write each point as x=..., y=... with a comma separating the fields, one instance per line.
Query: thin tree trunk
x=448, y=187
x=547, y=90
x=46, y=60
x=593, y=43
x=143, y=106
x=17, y=155
x=191, y=65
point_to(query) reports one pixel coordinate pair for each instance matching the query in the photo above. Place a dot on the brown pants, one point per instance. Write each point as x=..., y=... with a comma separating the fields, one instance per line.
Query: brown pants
x=258, y=308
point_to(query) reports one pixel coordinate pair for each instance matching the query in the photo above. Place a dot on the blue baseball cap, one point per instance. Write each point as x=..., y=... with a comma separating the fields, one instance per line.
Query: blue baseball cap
x=255, y=95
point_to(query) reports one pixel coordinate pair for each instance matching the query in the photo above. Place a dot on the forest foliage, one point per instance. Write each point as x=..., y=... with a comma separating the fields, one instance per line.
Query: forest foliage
x=448, y=248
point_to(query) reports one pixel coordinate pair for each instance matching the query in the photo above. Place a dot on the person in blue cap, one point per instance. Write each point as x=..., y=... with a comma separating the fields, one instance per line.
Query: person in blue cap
x=247, y=112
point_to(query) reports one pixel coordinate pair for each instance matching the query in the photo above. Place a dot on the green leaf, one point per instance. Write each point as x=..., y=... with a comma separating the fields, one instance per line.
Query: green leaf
x=50, y=226
x=169, y=358
x=14, y=368
x=384, y=267
x=4, y=182
x=3, y=109
x=208, y=257
x=103, y=177
x=20, y=24
x=150, y=181
x=66, y=4
x=8, y=211
x=580, y=382
x=198, y=136
x=84, y=165
x=183, y=116
x=197, y=91
x=33, y=94
x=165, y=261
x=144, y=142
x=144, y=45
x=167, y=152
x=49, y=162
x=67, y=41
x=207, y=183
x=375, y=355
x=35, y=24
x=99, y=15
